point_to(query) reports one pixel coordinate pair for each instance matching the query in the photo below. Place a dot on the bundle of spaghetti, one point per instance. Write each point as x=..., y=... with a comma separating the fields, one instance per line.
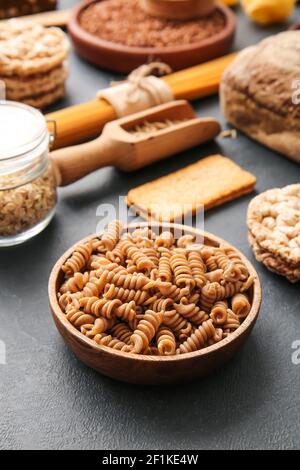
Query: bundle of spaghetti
x=110, y=237
x=100, y=326
x=232, y=322
x=198, y=267
x=231, y=271
x=86, y=120
x=180, y=326
x=218, y=312
x=107, y=340
x=122, y=332
x=240, y=305
x=191, y=311
x=165, y=240
x=166, y=342
x=146, y=330
x=140, y=297
x=198, y=338
x=79, y=258
x=182, y=271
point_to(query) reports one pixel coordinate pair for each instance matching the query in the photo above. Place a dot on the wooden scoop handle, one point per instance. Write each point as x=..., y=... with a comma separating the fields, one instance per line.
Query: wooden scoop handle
x=72, y=163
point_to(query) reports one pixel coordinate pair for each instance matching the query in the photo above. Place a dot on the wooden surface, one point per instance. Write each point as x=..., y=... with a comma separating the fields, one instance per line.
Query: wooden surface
x=124, y=59
x=122, y=149
x=178, y=9
x=139, y=369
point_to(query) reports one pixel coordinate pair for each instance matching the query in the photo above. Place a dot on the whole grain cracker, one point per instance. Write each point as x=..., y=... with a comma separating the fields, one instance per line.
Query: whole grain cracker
x=209, y=182
x=274, y=222
x=27, y=48
x=43, y=100
x=274, y=263
x=20, y=88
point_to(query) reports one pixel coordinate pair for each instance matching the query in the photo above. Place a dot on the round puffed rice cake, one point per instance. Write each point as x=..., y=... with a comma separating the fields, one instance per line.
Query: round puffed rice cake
x=27, y=48
x=276, y=265
x=274, y=223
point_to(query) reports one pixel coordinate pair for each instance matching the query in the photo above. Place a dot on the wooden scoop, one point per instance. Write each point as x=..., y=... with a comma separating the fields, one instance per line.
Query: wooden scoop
x=119, y=147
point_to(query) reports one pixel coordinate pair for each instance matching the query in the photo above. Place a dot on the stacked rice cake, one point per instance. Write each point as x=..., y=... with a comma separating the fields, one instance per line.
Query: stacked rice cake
x=32, y=62
x=11, y=8
x=274, y=230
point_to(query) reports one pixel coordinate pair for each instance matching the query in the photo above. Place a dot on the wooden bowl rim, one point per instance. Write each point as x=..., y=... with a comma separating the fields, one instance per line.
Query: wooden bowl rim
x=250, y=319
x=76, y=31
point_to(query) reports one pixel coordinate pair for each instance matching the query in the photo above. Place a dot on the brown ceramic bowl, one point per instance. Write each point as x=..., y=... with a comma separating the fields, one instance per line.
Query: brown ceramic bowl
x=124, y=59
x=152, y=369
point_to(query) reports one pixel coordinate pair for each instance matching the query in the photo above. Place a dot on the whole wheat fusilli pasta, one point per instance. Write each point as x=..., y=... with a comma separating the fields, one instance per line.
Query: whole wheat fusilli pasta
x=145, y=294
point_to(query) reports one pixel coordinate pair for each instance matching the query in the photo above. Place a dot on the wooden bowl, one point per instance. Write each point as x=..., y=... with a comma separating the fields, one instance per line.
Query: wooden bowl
x=178, y=9
x=124, y=59
x=152, y=369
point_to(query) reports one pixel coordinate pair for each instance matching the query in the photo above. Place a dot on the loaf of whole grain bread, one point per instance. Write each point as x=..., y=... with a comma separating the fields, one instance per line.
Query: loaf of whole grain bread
x=260, y=93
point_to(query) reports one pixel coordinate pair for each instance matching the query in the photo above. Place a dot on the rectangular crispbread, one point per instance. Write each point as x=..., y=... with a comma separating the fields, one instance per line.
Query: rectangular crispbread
x=208, y=183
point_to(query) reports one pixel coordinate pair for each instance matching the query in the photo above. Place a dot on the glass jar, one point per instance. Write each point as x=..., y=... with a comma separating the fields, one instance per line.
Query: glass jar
x=27, y=185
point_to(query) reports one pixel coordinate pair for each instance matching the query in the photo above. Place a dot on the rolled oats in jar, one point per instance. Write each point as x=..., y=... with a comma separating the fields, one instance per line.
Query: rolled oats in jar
x=27, y=184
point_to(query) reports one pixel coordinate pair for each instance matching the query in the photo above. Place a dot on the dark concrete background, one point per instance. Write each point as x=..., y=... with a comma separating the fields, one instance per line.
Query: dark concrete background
x=50, y=400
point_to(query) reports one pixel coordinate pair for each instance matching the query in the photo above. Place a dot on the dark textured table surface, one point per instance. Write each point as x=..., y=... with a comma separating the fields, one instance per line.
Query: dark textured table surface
x=50, y=400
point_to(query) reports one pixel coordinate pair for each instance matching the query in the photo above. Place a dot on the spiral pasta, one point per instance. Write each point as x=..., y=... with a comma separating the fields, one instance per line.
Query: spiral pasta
x=191, y=311
x=111, y=342
x=198, y=339
x=166, y=343
x=145, y=331
x=110, y=237
x=231, y=271
x=182, y=271
x=232, y=322
x=164, y=267
x=145, y=294
x=218, y=312
x=166, y=240
x=181, y=327
x=78, y=259
x=240, y=305
x=122, y=332
x=100, y=326
x=198, y=268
